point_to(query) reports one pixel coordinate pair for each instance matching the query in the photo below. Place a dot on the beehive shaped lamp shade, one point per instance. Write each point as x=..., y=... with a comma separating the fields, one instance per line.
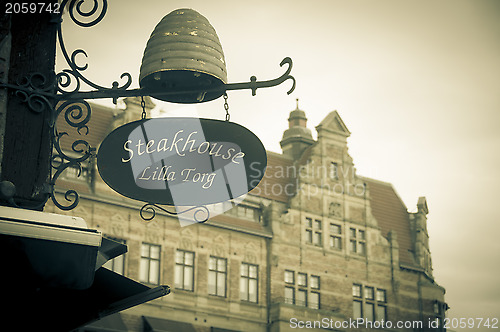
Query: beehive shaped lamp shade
x=183, y=54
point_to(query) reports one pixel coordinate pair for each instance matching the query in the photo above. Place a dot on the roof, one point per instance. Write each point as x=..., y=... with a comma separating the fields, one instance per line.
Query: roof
x=391, y=215
x=278, y=182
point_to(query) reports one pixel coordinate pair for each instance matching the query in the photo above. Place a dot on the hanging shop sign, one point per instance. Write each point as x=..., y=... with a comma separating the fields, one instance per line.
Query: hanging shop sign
x=182, y=161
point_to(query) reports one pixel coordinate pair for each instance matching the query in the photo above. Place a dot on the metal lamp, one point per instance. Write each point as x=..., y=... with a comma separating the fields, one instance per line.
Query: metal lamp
x=184, y=53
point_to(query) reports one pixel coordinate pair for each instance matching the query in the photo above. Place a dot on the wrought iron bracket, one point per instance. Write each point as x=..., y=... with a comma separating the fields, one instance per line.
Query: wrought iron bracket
x=70, y=100
x=253, y=85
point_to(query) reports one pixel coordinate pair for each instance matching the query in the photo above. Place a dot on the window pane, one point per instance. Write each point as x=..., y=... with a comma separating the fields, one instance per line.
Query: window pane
x=244, y=289
x=314, y=300
x=335, y=242
x=244, y=269
x=145, y=250
x=309, y=222
x=221, y=284
x=289, y=278
x=309, y=236
x=212, y=264
x=317, y=238
x=188, y=278
x=369, y=293
x=155, y=252
x=381, y=295
x=221, y=265
x=381, y=313
x=353, y=246
x=356, y=310
x=356, y=290
x=361, y=248
x=252, y=290
x=211, y=283
x=289, y=295
x=437, y=310
x=189, y=258
x=317, y=224
x=178, y=279
x=301, y=298
x=335, y=229
x=154, y=271
x=362, y=235
x=369, y=312
x=253, y=271
x=302, y=279
x=338, y=243
x=353, y=233
x=315, y=282
x=143, y=270
x=334, y=171
x=179, y=257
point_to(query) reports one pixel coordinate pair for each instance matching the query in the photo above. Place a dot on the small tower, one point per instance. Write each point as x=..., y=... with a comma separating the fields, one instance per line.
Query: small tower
x=297, y=137
x=132, y=112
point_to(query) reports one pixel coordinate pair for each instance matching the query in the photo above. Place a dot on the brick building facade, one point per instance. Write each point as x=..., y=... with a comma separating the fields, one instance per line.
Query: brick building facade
x=314, y=245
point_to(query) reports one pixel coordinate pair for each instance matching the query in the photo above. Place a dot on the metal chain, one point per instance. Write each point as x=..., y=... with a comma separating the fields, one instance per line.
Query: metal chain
x=226, y=107
x=143, y=105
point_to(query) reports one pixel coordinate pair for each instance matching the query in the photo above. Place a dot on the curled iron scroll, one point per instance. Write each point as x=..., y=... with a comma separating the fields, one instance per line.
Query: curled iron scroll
x=74, y=75
x=151, y=209
x=254, y=84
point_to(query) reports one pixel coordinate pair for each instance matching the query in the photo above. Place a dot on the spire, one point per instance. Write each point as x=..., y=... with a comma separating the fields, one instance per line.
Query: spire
x=297, y=117
x=297, y=137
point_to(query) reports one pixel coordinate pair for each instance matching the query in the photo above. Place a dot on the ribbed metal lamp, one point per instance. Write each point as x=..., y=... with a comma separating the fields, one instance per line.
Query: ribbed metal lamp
x=183, y=53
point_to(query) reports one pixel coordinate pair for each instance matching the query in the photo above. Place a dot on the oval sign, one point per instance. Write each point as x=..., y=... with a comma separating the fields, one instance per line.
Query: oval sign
x=182, y=161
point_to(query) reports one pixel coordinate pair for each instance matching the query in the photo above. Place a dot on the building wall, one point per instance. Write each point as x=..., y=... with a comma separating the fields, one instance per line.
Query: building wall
x=285, y=239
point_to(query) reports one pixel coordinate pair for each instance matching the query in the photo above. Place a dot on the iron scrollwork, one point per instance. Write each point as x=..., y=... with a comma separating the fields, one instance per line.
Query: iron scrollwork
x=197, y=211
x=77, y=112
x=68, y=99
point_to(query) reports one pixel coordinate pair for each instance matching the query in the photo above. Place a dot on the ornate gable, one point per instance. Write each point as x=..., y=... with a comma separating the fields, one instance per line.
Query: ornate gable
x=333, y=124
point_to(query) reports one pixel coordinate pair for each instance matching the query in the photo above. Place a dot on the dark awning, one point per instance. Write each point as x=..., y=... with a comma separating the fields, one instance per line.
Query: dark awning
x=58, y=309
x=152, y=324
x=51, y=280
x=112, y=323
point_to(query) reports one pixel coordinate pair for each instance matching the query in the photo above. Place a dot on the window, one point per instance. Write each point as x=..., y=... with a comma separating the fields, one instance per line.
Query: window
x=302, y=279
x=249, y=282
x=149, y=270
x=184, y=270
x=116, y=264
x=301, y=297
x=381, y=309
x=217, y=273
x=289, y=295
x=440, y=312
x=357, y=241
x=314, y=300
x=313, y=232
x=369, y=303
x=314, y=282
x=289, y=277
x=335, y=236
x=244, y=211
x=303, y=291
x=76, y=173
x=334, y=171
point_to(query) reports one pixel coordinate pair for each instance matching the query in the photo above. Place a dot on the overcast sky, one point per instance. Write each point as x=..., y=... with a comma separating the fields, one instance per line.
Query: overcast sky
x=417, y=83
